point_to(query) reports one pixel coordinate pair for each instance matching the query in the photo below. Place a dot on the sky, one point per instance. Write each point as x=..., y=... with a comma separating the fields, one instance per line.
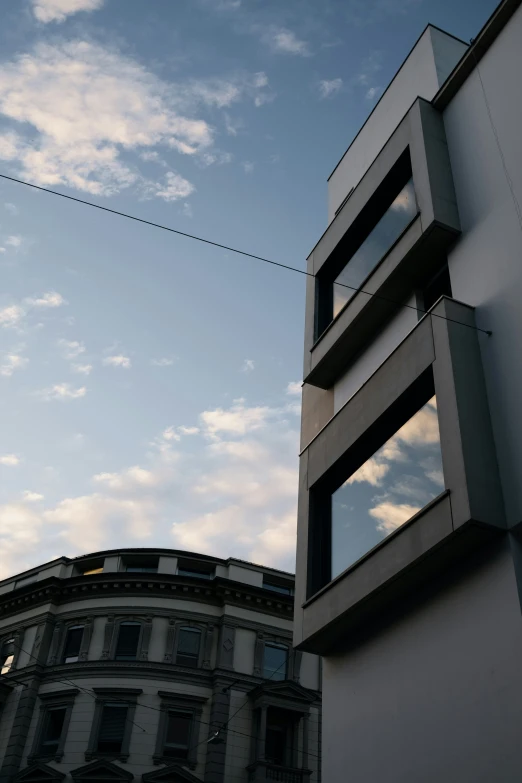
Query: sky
x=149, y=384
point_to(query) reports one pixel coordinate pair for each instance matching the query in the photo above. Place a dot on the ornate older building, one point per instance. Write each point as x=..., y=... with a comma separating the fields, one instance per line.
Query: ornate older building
x=154, y=665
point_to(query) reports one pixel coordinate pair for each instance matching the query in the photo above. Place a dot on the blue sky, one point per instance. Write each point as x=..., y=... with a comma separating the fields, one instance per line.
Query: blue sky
x=149, y=384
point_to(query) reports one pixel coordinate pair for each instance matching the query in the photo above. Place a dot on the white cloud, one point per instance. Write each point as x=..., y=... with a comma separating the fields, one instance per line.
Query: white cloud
x=32, y=497
x=2, y=250
x=188, y=430
x=330, y=87
x=237, y=420
x=372, y=93
x=284, y=41
x=11, y=208
x=118, y=361
x=128, y=479
x=170, y=434
x=248, y=365
x=392, y=515
x=12, y=362
x=15, y=240
x=49, y=299
x=294, y=388
x=423, y=428
x=187, y=210
x=71, y=349
x=82, y=369
x=10, y=460
x=372, y=471
x=62, y=391
x=231, y=126
x=248, y=166
x=19, y=537
x=173, y=188
x=11, y=316
x=162, y=362
x=58, y=10
x=436, y=476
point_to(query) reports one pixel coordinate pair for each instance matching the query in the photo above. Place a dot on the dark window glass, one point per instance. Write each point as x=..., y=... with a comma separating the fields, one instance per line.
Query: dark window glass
x=275, y=661
x=73, y=643
x=7, y=655
x=131, y=569
x=439, y=286
x=128, y=638
x=388, y=489
x=112, y=728
x=275, y=748
x=189, y=640
x=52, y=730
x=194, y=572
x=177, y=739
x=283, y=589
x=389, y=228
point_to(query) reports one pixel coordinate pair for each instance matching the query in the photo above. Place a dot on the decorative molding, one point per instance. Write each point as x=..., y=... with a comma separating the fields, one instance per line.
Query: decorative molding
x=207, y=643
x=227, y=640
x=56, y=643
x=143, y=648
x=86, y=639
x=107, y=638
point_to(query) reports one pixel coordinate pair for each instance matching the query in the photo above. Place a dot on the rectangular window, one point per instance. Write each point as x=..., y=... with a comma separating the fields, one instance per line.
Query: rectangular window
x=73, y=642
x=189, y=641
x=194, y=572
x=91, y=571
x=131, y=569
x=387, y=490
x=7, y=656
x=128, y=639
x=112, y=728
x=278, y=588
x=275, y=661
x=141, y=565
x=177, y=736
x=395, y=220
x=52, y=730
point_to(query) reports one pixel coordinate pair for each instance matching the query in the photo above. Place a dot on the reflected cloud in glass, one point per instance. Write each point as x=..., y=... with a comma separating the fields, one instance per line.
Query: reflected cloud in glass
x=365, y=259
x=388, y=489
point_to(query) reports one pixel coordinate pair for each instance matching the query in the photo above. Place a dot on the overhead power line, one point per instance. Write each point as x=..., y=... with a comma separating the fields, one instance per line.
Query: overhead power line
x=231, y=249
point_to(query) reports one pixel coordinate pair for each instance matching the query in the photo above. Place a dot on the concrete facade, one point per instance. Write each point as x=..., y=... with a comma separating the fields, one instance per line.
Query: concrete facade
x=238, y=611
x=421, y=638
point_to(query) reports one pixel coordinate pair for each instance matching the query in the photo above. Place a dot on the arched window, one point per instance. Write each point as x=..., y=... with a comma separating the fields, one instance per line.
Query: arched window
x=188, y=647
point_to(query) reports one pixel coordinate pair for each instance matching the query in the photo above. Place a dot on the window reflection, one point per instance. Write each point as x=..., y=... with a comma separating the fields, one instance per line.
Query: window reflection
x=389, y=228
x=388, y=489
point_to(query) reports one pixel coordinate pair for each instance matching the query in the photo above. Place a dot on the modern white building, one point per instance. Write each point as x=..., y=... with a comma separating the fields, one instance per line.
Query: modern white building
x=157, y=666
x=409, y=568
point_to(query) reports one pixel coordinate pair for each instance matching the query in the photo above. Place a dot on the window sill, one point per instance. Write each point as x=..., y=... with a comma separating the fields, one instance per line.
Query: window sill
x=45, y=757
x=92, y=755
x=172, y=760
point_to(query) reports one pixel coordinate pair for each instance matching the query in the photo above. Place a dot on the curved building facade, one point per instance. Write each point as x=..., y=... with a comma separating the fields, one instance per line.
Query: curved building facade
x=157, y=666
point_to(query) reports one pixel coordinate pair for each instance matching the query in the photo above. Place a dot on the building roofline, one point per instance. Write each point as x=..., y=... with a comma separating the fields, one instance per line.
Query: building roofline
x=480, y=45
x=435, y=27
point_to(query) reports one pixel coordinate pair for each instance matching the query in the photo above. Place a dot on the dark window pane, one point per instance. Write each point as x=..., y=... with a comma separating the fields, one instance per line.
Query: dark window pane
x=194, y=572
x=275, y=661
x=7, y=655
x=388, y=489
x=112, y=728
x=275, y=745
x=189, y=641
x=72, y=644
x=389, y=228
x=177, y=739
x=277, y=588
x=128, y=638
x=142, y=569
x=52, y=730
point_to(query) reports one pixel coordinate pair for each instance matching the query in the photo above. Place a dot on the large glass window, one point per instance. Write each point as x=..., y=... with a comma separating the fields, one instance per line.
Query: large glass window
x=128, y=638
x=275, y=661
x=7, y=656
x=177, y=736
x=387, y=490
x=389, y=228
x=52, y=730
x=73, y=642
x=189, y=641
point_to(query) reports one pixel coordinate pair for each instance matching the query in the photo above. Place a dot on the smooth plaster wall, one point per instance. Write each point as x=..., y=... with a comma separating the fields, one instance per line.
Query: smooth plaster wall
x=432, y=57
x=486, y=263
x=436, y=696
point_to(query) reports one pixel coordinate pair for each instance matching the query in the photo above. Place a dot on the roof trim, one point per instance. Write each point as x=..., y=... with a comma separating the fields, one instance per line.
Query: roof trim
x=480, y=45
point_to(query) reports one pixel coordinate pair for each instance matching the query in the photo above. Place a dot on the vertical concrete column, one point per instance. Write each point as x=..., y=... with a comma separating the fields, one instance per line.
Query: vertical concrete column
x=107, y=638
x=86, y=639
x=261, y=737
x=216, y=751
x=207, y=650
x=304, y=721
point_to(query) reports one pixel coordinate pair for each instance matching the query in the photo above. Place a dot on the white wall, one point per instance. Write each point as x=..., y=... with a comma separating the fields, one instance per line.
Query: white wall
x=486, y=263
x=433, y=57
x=365, y=365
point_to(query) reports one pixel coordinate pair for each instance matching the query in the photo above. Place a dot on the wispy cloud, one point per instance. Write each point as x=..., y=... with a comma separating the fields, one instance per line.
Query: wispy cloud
x=62, y=391
x=11, y=315
x=11, y=208
x=248, y=166
x=118, y=361
x=330, y=87
x=71, y=349
x=31, y=497
x=248, y=365
x=82, y=369
x=12, y=362
x=15, y=240
x=164, y=361
x=237, y=420
x=372, y=93
x=284, y=41
x=49, y=299
x=10, y=460
x=294, y=388
x=58, y=10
